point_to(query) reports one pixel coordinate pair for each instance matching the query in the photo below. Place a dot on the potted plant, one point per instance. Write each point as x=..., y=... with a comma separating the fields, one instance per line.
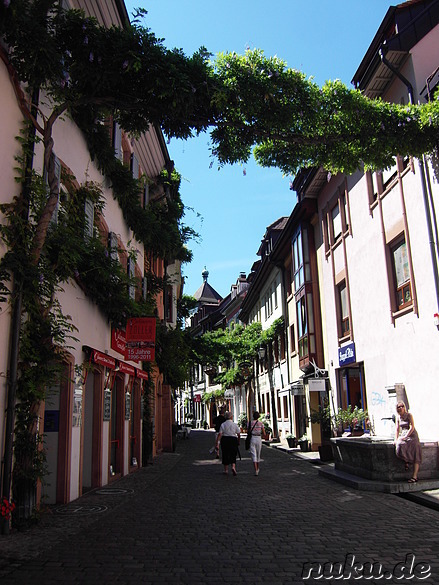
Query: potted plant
x=304, y=443
x=351, y=420
x=267, y=429
x=243, y=421
x=291, y=440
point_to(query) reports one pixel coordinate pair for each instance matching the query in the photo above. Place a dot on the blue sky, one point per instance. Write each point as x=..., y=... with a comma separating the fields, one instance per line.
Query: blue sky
x=326, y=39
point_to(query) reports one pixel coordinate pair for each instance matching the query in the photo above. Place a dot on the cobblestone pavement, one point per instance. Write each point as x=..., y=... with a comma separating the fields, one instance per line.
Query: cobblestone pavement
x=181, y=521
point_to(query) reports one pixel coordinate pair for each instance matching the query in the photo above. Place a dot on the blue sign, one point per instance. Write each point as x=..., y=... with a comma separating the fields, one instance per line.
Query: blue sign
x=346, y=354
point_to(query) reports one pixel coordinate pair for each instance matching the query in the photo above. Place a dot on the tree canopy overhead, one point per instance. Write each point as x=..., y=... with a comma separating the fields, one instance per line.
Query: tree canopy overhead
x=251, y=103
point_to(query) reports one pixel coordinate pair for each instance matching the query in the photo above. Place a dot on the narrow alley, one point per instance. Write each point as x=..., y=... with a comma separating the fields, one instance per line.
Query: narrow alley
x=181, y=520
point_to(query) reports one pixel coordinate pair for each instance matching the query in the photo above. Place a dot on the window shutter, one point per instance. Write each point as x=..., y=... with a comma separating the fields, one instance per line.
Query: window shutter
x=131, y=272
x=134, y=165
x=146, y=195
x=117, y=141
x=112, y=246
x=89, y=218
x=144, y=287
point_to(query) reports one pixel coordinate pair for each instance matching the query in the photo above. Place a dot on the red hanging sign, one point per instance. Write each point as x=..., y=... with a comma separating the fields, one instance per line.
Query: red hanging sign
x=103, y=359
x=118, y=340
x=127, y=369
x=140, y=339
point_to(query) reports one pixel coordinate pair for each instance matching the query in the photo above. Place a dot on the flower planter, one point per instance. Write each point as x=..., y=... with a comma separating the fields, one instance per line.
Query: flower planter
x=292, y=442
x=304, y=446
x=325, y=452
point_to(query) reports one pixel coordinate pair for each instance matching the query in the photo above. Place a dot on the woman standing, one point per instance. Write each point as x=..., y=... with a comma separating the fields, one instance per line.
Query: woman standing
x=257, y=429
x=229, y=436
x=408, y=447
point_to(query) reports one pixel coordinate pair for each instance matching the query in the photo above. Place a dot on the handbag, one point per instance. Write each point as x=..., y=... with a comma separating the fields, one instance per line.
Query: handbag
x=249, y=437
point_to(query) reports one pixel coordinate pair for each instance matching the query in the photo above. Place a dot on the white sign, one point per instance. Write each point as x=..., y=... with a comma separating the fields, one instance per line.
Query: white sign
x=229, y=394
x=316, y=385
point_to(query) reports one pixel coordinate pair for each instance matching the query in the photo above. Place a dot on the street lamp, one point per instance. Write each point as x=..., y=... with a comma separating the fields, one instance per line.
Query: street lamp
x=261, y=352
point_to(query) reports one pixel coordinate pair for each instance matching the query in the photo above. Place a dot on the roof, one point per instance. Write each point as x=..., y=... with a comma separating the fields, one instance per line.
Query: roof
x=207, y=294
x=402, y=28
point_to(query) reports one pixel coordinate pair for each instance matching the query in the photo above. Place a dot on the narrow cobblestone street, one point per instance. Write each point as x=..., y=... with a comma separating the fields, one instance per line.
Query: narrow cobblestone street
x=181, y=520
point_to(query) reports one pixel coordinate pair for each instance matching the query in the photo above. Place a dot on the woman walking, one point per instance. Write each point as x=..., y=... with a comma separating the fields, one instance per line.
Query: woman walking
x=257, y=429
x=229, y=436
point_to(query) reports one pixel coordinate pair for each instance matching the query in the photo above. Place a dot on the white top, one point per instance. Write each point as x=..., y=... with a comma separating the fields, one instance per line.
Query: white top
x=229, y=429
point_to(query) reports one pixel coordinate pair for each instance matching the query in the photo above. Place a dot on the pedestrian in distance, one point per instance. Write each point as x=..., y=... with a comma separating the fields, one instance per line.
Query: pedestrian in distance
x=257, y=429
x=228, y=437
x=218, y=421
x=407, y=444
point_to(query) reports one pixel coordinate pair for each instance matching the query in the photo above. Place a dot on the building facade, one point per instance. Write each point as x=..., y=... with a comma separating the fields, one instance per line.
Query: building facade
x=92, y=422
x=377, y=245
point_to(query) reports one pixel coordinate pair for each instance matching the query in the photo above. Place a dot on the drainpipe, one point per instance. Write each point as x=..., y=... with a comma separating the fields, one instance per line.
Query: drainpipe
x=423, y=179
x=14, y=341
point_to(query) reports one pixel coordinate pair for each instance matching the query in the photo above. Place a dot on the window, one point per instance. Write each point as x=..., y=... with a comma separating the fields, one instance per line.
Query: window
x=292, y=339
x=344, y=310
x=345, y=218
x=336, y=222
x=285, y=411
x=302, y=327
x=301, y=262
x=282, y=345
x=401, y=274
x=305, y=325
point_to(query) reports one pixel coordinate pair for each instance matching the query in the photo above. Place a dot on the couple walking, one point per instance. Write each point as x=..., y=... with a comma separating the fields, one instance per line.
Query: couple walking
x=229, y=436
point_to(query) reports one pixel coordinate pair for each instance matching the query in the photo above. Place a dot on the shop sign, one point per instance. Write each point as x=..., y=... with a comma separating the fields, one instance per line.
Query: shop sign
x=127, y=405
x=103, y=359
x=107, y=404
x=126, y=369
x=229, y=394
x=297, y=389
x=316, y=384
x=140, y=339
x=118, y=340
x=139, y=351
x=77, y=406
x=141, y=374
x=346, y=354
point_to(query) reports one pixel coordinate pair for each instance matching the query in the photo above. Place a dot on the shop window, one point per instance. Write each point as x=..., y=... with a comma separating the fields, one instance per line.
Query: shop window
x=401, y=274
